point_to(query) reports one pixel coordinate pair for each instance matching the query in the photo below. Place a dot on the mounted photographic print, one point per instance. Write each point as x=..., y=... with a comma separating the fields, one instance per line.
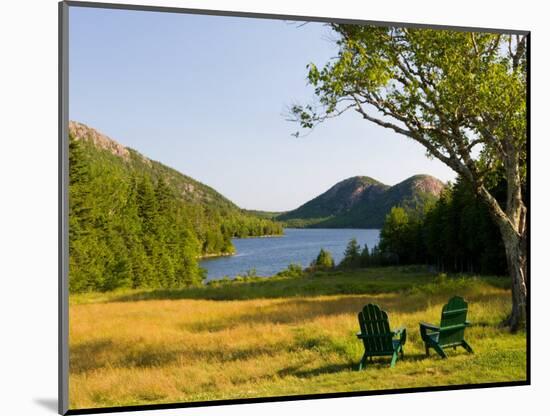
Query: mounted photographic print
x=265, y=208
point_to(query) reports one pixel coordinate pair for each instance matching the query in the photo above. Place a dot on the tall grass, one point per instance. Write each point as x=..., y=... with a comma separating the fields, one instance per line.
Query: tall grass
x=278, y=337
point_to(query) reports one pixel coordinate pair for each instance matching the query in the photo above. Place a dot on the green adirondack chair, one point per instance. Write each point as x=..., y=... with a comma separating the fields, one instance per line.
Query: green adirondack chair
x=450, y=333
x=377, y=337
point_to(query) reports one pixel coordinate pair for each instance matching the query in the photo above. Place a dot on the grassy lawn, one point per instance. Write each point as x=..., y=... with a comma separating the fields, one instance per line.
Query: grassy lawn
x=280, y=336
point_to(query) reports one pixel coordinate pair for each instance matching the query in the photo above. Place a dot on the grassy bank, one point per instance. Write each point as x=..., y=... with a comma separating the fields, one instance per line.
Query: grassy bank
x=280, y=336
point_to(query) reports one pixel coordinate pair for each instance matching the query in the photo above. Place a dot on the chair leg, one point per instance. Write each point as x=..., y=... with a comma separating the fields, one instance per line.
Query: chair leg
x=440, y=351
x=393, y=359
x=427, y=350
x=363, y=362
x=467, y=347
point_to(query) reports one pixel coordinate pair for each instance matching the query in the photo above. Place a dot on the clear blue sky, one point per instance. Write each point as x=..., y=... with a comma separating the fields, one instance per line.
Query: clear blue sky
x=206, y=95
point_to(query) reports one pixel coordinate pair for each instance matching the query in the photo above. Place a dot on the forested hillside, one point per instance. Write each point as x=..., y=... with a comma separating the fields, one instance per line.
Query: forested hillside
x=457, y=234
x=134, y=222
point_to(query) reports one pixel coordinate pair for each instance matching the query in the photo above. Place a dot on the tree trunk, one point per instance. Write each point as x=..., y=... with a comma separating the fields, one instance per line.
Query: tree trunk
x=516, y=255
x=512, y=225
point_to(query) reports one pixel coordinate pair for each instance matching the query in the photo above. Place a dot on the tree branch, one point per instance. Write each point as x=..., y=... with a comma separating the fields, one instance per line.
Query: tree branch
x=411, y=134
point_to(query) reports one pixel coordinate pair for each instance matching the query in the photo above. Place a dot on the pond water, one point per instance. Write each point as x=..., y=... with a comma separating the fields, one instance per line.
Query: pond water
x=267, y=256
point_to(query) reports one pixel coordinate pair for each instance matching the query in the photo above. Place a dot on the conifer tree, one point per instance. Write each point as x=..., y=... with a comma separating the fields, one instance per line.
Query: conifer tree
x=365, y=256
x=352, y=256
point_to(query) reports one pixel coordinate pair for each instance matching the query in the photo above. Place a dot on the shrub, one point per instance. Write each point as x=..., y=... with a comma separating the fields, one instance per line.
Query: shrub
x=441, y=278
x=292, y=270
x=323, y=261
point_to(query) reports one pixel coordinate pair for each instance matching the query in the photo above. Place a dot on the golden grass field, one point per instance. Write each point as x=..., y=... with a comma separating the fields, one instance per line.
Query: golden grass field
x=189, y=345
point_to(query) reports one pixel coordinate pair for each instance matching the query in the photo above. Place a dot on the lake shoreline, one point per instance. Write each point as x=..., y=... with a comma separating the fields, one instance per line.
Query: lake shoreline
x=260, y=236
x=214, y=255
x=268, y=255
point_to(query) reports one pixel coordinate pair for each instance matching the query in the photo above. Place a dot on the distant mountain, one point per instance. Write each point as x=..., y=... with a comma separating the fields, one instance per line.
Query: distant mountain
x=363, y=202
x=269, y=215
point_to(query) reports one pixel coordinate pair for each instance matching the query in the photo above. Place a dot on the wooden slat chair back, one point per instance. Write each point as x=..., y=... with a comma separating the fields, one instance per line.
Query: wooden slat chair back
x=453, y=322
x=377, y=336
x=450, y=332
x=374, y=324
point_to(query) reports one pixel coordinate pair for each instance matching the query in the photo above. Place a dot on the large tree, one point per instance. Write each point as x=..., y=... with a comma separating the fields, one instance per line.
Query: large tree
x=462, y=95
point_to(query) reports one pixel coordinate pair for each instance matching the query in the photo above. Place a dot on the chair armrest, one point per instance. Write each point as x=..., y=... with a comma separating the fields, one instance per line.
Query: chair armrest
x=398, y=331
x=425, y=328
x=402, y=334
x=430, y=327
